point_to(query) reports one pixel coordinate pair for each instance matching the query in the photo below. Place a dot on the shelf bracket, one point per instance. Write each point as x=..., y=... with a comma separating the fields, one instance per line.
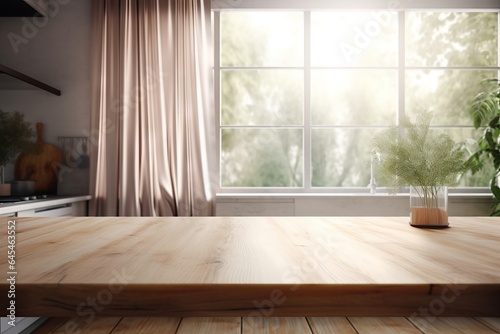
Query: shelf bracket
x=23, y=77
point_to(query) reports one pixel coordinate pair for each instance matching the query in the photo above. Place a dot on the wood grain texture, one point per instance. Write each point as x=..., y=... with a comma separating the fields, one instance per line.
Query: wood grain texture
x=232, y=300
x=493, y=323
x=442, y=325
x=276, y=325
x=84, y=325
x=330, y=325
x=388, y=325
x=301, y=325
x=49, y=326
x=147, y=325
x=255, y=266
x=217, y=325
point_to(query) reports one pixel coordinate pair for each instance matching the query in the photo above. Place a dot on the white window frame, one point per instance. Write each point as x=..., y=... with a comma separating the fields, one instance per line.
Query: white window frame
x=400, y=6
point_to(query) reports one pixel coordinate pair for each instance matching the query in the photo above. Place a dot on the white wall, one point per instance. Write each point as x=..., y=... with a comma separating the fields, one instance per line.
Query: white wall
x=55, y=50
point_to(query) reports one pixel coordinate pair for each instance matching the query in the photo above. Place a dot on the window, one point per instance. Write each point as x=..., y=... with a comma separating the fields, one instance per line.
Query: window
x=300, y=93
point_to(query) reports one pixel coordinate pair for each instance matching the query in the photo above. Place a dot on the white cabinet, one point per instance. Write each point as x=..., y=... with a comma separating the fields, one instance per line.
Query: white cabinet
x=76, y=209
x=57, y=206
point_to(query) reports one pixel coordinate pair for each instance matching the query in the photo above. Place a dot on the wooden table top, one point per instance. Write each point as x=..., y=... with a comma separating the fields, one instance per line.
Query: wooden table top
x=238, y=266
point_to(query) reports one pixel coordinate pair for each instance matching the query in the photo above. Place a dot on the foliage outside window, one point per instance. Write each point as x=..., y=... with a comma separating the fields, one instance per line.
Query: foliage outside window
x=302, y=93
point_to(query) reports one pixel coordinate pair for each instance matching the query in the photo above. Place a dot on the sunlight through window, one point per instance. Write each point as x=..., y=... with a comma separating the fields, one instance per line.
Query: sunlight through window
x=302, y=93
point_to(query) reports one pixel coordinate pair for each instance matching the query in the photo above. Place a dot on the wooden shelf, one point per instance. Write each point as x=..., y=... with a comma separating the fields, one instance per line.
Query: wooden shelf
x=25, y=78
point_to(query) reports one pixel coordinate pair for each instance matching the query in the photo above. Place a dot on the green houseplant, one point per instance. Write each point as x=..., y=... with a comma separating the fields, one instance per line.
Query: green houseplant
x=485, y=112
x=16, y=135
x=428, y=161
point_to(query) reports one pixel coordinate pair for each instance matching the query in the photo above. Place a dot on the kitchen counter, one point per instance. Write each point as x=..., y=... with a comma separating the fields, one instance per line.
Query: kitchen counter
x=246, y=266
x=32, y=205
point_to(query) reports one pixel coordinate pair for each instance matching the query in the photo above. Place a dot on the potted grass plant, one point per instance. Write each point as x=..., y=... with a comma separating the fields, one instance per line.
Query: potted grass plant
x=415, y=155
x=16, y=135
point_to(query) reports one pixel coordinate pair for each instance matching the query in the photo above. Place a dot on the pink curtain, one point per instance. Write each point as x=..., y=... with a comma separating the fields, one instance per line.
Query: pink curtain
x=152, y=115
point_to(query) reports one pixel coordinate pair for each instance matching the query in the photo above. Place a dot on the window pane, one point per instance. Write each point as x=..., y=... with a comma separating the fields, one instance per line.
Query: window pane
x=341, y=157
x=261, y=157
x=262, y=38
x=354, y=97
x=354, y=38
x=354, y=84
x=451, y=39
x=262, y=97
x=447, y=93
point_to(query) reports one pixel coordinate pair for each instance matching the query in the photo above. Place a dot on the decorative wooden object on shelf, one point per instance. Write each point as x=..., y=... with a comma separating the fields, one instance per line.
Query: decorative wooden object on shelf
x=254, y=266
x=41, y=167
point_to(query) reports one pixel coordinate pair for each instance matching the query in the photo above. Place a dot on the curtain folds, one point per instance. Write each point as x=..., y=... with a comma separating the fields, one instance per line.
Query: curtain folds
x=152, y=114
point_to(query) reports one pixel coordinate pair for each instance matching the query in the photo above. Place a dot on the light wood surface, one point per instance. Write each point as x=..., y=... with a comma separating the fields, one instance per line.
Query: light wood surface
x=147, y=325
x=380, y=325
x=493, y=323
x=224, y=266
x=80, y=324
x=275, y=325
x=271, y=325
x=451, y=325
x=331, y=325
x=206, y=325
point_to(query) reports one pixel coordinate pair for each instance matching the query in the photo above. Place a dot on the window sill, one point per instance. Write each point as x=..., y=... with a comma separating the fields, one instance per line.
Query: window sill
x=341, y=204
x=232, y=196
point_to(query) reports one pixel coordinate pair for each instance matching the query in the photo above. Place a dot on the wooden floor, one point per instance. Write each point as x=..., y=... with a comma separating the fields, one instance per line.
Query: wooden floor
x=270, y=325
